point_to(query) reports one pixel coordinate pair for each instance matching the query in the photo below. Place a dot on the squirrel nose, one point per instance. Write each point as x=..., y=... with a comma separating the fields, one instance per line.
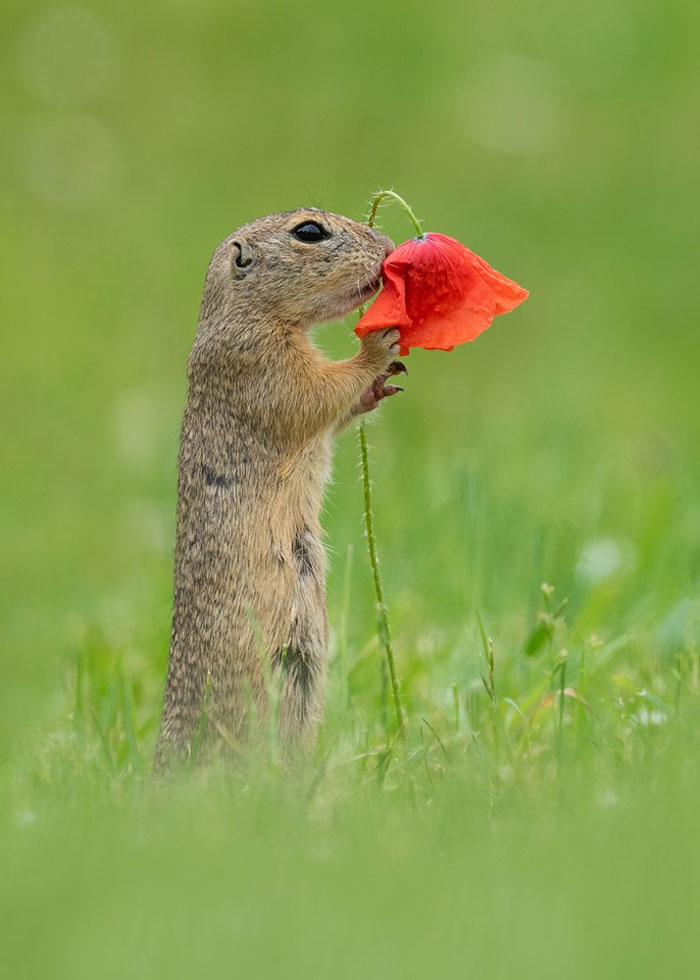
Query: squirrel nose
x=383, y=240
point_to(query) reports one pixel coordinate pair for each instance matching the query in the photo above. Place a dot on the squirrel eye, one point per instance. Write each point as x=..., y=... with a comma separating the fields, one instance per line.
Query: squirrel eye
x=310, y=233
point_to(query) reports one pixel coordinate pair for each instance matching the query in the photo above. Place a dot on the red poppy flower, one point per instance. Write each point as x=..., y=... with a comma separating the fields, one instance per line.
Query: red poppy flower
x=439, y=294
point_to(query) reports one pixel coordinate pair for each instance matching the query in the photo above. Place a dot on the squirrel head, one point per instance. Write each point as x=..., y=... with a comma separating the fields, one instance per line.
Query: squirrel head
x=297, y=268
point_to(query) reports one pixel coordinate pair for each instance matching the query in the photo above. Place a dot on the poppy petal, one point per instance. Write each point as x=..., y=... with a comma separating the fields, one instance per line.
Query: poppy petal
x=389, y=308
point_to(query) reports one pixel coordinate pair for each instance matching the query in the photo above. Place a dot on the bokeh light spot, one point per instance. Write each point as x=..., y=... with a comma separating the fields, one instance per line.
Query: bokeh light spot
x=69, y=162
x=67, y=55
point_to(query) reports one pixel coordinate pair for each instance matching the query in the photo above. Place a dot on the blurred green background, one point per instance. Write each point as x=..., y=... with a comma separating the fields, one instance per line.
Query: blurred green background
x=557, y=140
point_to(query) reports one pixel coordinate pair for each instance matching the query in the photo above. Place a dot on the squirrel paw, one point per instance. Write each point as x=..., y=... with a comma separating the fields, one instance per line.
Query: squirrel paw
x=380, y=348
x=379, y=389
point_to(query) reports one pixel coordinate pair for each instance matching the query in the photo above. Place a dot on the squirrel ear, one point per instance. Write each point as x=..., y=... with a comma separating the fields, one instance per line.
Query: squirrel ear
x=241, y=258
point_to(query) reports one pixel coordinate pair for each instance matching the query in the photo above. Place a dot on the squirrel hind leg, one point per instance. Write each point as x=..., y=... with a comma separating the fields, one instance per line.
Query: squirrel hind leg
x=301, y=699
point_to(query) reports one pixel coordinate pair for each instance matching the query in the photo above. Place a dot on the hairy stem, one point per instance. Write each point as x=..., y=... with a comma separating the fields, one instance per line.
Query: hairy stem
x=382, y=611
x=392, y=196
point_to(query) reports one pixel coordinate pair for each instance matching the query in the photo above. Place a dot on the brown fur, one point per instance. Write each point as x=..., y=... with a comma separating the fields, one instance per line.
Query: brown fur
x=249, y=603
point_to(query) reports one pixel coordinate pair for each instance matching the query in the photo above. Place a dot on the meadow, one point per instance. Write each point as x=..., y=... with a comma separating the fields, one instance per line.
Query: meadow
x=536, y=495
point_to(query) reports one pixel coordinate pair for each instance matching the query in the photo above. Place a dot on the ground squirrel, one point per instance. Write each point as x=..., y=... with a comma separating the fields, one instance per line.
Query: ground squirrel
x=262, y=407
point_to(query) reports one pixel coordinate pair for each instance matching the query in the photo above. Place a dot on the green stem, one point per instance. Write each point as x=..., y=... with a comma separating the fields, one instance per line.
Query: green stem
x=382, y=611
x=392, y=195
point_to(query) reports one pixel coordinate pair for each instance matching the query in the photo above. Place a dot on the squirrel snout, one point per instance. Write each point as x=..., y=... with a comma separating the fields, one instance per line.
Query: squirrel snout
x=382, y=240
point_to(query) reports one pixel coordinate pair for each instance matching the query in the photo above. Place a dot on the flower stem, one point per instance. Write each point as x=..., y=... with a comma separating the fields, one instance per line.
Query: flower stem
x=383, y=628
x=382, y=611
x=392, y=195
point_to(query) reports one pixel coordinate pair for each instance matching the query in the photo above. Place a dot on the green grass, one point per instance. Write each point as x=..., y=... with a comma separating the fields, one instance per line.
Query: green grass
x=537, y=497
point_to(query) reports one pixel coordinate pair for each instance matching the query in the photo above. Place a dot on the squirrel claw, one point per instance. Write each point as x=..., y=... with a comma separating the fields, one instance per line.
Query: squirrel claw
x=397, y=367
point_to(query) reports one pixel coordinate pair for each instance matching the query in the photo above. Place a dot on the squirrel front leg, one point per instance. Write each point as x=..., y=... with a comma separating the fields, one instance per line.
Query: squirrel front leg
x=332, y=388
x=373, y=365
x=377, y=392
